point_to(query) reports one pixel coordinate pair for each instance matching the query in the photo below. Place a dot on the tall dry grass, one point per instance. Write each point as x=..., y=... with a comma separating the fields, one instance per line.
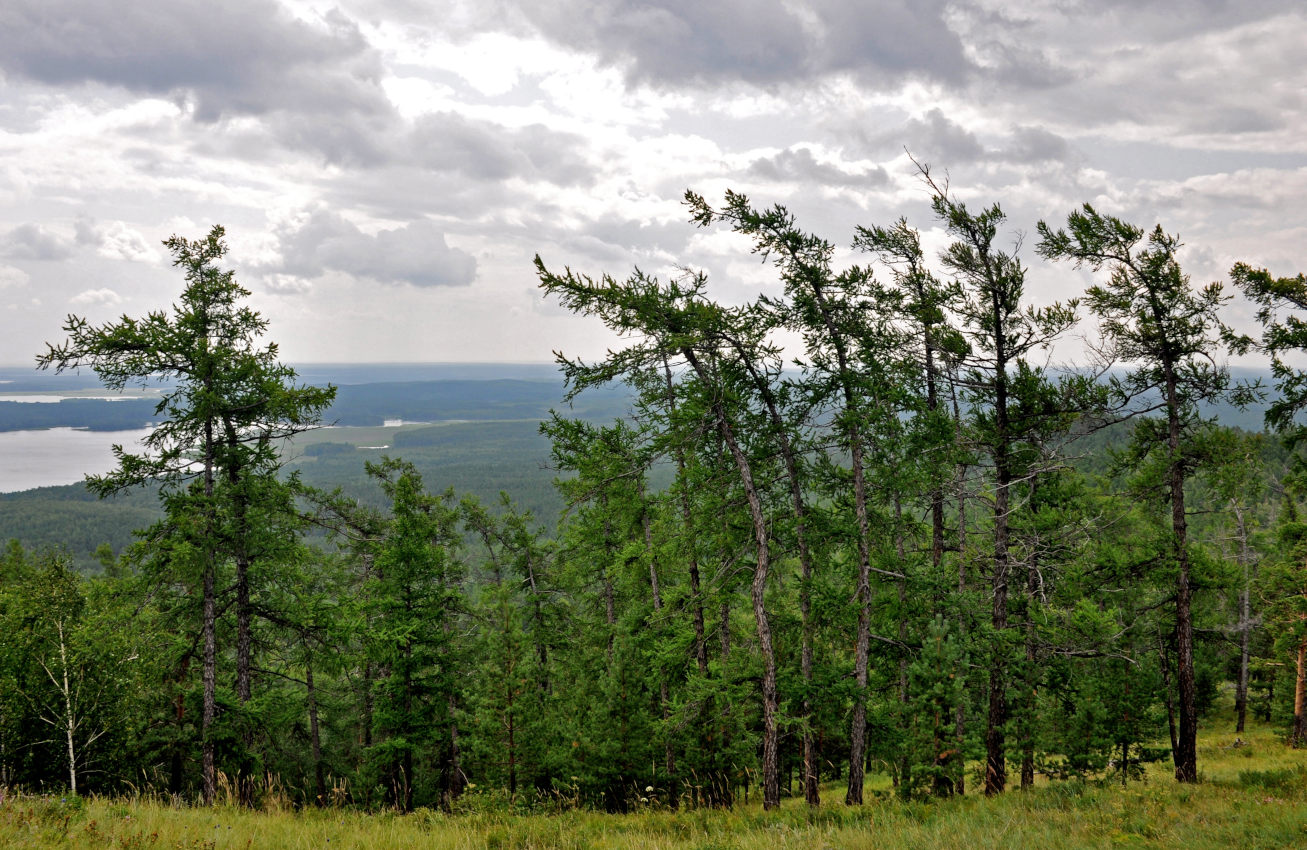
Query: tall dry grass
x=1252, y=795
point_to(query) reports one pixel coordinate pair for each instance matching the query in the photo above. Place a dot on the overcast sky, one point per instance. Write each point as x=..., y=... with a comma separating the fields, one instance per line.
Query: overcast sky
x=387, y=169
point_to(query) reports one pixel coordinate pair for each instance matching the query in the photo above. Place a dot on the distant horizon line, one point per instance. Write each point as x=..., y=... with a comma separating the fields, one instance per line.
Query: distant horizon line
x=21, y=365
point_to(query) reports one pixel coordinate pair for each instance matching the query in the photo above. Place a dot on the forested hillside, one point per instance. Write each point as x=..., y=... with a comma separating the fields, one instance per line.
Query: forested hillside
x=910, y=549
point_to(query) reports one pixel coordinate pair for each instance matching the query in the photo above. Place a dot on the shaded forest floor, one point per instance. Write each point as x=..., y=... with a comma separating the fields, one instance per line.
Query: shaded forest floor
x=1250, y=796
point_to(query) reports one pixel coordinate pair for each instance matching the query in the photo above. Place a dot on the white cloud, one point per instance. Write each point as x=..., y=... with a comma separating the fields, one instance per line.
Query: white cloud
x=382, y=158
x=34, y=242
x=12, y=278
x=416, y=253
x=96, y=297
x=286, y=284
x=118, y=241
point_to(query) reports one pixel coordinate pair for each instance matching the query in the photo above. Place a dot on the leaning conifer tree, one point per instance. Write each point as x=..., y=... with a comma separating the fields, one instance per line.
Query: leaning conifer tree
x=676, y=319
x=225, y=405
x=1166, y=329
x=1000, y=386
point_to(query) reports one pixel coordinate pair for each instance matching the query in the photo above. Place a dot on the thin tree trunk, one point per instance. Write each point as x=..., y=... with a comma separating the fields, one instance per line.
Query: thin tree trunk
x=1030, y=685
x=610, y=608
x=70, y=722
x=995, y=739
x=244, y=613
x=315, y=738
x=208, y=626
x=1125, y=763
x=241, y=557
x=960, y=718
x=210, y=698
x=177, y=779
x=1186, y=752
x=1167, y=696
x=724, y=630
x=811, y=788
x=404, y=797
x=905, y=762
x=1299, y=736
x=771, y=791
x=669, y=751
x=366, y=736
x=367, y=704
x=995, y=743
x=687, y=520
x=453, y=785
x=1030, y=697
x=538, y=615
x=512, y=743
x=1245, y=621
x=1241, y=687
x=862, y=647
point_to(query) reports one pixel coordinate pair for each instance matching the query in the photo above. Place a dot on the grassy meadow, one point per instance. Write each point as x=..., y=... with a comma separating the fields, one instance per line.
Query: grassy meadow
x=1251, y=796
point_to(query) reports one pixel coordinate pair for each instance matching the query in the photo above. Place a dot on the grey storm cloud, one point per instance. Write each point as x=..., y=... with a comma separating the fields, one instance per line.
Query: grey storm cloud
x=444, y=143
x=936, y=138
x=766, y=42
x=416, y=253
x=1035, y=144
x=447, y=141
x=237, y=57
x=34, y=242
x=798, y=165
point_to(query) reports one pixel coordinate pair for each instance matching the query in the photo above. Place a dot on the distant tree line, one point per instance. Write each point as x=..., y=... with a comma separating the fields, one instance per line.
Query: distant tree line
x=903, y=545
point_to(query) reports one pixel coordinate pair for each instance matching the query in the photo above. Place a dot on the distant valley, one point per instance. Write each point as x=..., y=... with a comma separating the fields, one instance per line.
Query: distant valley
x=472, y=427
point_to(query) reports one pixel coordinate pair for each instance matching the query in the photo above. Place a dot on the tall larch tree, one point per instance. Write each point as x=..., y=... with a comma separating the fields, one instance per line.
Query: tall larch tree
x=225, y=405
x=1166, y=330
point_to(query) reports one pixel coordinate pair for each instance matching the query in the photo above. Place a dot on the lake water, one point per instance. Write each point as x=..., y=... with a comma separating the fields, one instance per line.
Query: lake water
x=59, y=455
x=47, y=398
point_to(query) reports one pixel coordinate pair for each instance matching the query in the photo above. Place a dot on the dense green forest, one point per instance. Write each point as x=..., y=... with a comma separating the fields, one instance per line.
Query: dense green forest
x=909, y=549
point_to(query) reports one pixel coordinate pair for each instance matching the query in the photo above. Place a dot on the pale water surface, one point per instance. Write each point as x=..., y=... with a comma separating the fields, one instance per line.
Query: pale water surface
x=59, y=455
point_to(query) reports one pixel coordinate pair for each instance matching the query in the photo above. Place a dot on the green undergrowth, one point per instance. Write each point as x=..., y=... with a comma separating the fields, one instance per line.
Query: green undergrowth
x=1253, y=794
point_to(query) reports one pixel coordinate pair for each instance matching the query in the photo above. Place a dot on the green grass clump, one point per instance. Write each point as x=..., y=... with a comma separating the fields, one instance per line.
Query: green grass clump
x=1253, y=794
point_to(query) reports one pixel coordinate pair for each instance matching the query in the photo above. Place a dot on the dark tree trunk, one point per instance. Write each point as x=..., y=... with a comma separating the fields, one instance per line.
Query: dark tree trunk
x=995, y=742
x=1186, y=752
x=177, y=779
x=905, y=761
x=862, y=647
x=1030, y=689
x=811, y=789
x=960, y=713
x=210, y=675
x=610, y=607
x=451, y=774
x=244, y=612
x=692, y=550
x=1167, y=696
x=664, y=698
x=771, y=790
x=315, y=739
x=208, y=629
x=1241, y=686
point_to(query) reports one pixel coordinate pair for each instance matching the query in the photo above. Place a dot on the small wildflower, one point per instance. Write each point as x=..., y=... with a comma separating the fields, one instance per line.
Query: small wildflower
x=648, y=789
